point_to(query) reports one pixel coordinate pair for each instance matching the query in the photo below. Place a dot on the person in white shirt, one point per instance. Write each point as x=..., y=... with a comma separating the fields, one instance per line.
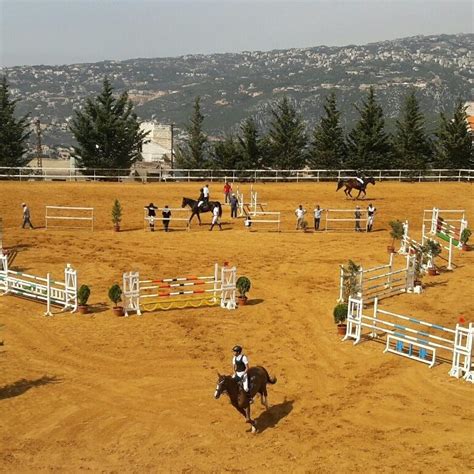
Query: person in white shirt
x=300, y=212
x=216, y=218
x=26, y=216
x=240, y=365
x=205, y=192
x=317, y=217
x=371, y=210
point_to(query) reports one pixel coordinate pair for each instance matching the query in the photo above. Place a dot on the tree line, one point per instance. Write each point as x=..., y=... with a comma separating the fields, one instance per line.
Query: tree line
x=108, y=135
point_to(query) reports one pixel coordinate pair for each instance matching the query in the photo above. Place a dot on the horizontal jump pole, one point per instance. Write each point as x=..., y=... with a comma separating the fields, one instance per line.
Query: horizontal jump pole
x=416, y=321
x=175, y=285
x=71, y=218
x=183, y=278
x=71, y=208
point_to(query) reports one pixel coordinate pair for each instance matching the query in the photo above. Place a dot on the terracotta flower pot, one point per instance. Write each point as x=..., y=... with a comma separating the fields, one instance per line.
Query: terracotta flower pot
x=117, y=227
x=242, y=300
x=432, y=272
x=341, y=329
x=465, y=247
x=118, y=310
x=390, y=249
x=83, y=309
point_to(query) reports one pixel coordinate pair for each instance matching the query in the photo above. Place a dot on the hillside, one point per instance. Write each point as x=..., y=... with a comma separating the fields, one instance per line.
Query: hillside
x=235, y=86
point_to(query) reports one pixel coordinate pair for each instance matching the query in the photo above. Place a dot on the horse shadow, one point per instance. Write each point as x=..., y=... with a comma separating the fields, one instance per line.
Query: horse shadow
x=271, y=417
x=254, y=301
x=22, y=386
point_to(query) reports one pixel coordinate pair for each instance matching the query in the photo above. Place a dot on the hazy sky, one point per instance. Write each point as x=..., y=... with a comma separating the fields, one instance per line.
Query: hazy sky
x=69, y=31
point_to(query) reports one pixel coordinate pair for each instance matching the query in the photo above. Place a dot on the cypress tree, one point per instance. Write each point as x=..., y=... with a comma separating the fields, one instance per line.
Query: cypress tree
x=328, y=148
x=192, y=153
x=368, y=143
x=412, y=149
x=107, y=132
x=287, y=138
x=13, y=132
x=453, y=145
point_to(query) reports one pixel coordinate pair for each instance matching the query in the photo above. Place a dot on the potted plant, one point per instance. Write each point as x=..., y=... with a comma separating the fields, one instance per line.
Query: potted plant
x=116, y=215
x=82, y=297
x=351, y=280
x=432, y=249
x=243, y=286
x=396, y=233
x=465, y=235
x=340, y=316
x=115, y=295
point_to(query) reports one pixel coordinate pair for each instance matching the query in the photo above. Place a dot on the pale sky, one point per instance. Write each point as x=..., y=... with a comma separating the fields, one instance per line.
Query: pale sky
x=36, y=32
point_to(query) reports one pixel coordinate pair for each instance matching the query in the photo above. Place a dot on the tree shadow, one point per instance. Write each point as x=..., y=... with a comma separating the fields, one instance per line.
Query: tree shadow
x=254, y=301
x=21, y=386
x=271, y=417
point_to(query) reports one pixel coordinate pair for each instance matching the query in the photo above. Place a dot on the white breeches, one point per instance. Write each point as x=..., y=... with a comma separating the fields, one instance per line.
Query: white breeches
x=245, y=381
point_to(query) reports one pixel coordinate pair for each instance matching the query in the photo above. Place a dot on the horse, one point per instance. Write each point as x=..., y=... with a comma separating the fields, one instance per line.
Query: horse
x=204, y=207
x=353, y=183
x=258, y=379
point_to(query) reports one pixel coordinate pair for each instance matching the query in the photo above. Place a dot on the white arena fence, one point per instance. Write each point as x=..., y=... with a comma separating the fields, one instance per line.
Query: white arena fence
x=404, y=337
x=67, y=217
x=43, y=290
x=250, y=175
x=344, y=219
x=270, y=220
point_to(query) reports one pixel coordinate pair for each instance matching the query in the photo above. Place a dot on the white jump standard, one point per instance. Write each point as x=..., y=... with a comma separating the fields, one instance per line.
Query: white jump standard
x=43, y=290
x=73, y=217
x=420, y=345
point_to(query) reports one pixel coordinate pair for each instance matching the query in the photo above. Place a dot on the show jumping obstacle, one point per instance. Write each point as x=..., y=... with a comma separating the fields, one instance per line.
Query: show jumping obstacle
x=250, y=208
x=74, y=217
x=42, y=290
x=332, y=223
x=256, y=218
x=148, y=220
x=9, y=253
x=420, y=345
x=378, y=282
x=448, y=229
x=180, y=292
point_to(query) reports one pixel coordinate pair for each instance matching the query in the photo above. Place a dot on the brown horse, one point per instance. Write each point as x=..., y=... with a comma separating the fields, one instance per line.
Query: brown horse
x=353, y=183
x=258, y=379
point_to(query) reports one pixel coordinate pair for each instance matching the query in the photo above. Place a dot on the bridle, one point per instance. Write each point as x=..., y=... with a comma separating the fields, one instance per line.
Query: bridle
x=220, y=389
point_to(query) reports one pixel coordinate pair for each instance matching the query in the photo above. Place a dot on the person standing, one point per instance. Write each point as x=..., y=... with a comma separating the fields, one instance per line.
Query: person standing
x=26, y=216
x=317, y=217
x=166, y=214
x=151, y=215
x=240, y=366
x=216, y=218
x=300, y=212
x=371, y=210
x=227, y=191
x=357, y=215
x=234, y=205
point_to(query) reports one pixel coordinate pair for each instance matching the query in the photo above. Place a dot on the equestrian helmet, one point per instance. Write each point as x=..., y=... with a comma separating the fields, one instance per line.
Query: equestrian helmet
x=237, y=349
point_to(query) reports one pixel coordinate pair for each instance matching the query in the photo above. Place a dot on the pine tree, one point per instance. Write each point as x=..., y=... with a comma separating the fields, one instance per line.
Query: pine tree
x=193, y=152
x=368, y=144
x=287, y=138
x=13, y=132
x=453, y=146
x=249, y=146
x=107, y=132
x=411, y=146
x=328, y=148
x=225, y=154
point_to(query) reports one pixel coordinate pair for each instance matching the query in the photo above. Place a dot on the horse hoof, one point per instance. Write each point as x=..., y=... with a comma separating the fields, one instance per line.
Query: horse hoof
x=253, y=430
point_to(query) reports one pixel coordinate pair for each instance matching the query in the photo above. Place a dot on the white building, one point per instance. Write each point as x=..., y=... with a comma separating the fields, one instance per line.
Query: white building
x=158, y=144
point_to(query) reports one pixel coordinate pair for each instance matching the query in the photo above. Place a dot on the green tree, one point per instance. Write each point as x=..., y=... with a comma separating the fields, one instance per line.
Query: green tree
x=453, y=145
x=193, y=152
x=225, y=154
x=107, y=132
x=249, y=146
x=328, y=148
x=411, y=146
x=368, y=143
x=13, y=132
x=287, y=138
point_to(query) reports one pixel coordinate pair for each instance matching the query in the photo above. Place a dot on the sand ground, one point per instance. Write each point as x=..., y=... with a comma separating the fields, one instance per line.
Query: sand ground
x=108, y=394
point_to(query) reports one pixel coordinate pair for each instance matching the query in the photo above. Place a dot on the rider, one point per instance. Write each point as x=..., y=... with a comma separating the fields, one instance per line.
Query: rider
x=205, y=191
x=359, y=176
x=201, y=197
x=240, y=364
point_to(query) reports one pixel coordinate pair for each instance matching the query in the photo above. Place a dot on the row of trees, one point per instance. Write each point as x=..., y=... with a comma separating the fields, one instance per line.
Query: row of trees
x=108, y=136
x=286, y=145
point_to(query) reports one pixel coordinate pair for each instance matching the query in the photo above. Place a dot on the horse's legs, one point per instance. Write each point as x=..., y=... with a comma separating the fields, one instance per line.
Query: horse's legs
x=249, y=420
x=360, y=190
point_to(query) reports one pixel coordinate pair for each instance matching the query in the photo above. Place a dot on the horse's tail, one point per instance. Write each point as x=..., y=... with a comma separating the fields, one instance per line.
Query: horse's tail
x=270, y=380
x=340, y=184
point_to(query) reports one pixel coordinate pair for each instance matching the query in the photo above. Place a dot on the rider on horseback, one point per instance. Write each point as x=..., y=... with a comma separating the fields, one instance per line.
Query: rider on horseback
x=359, y=175
x=240, y=364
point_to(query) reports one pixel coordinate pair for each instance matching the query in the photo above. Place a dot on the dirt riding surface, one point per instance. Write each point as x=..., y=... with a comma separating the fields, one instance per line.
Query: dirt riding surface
x=107, y=393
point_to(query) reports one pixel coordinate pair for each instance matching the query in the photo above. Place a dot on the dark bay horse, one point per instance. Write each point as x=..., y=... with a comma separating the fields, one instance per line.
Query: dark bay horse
x=353, y=183
x=258, y=380
x=204, y=207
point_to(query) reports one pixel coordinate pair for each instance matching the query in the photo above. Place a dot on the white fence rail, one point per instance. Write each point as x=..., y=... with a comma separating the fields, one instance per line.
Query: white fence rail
x=189, y=175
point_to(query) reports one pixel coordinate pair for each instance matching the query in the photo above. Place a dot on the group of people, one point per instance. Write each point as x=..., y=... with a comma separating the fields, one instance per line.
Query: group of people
x=151, y=216
x=300, y=212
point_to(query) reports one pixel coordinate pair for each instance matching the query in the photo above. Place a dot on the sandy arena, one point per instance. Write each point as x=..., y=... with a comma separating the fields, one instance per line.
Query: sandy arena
x=108, y=394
